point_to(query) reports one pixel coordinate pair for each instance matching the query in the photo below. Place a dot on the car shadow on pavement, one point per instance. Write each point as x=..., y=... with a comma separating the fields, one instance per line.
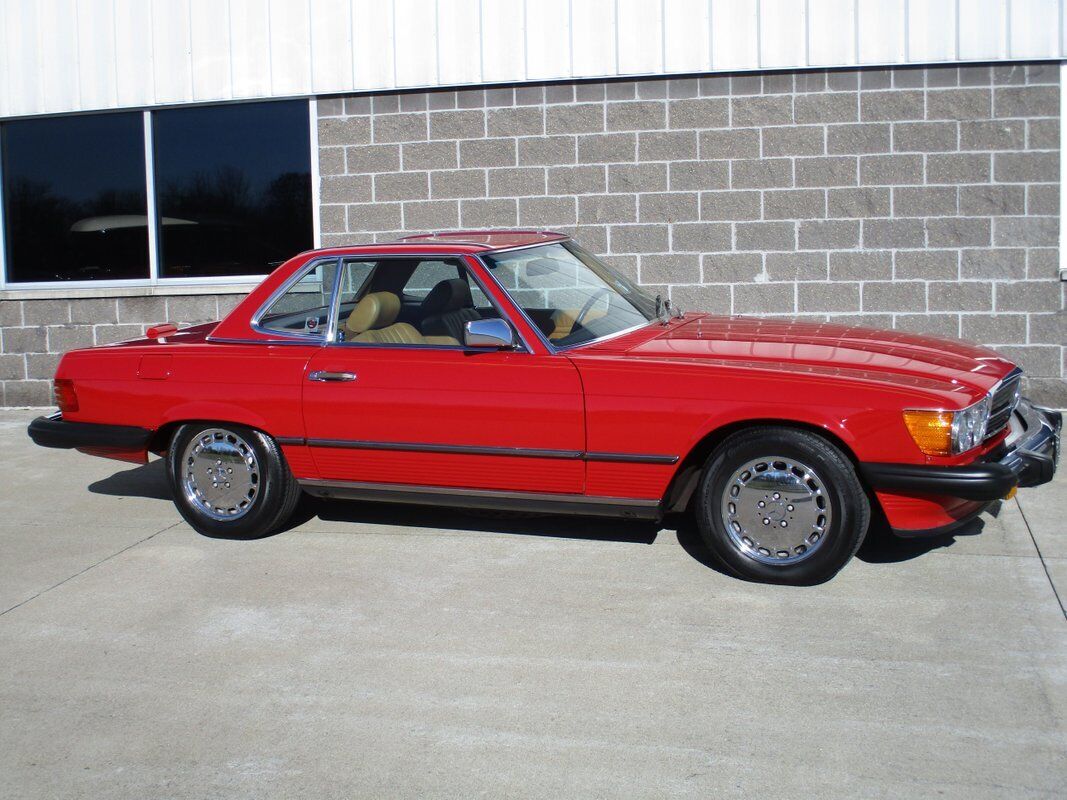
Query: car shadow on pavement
x=445, y=518
x=880, y=546
x=150, y=481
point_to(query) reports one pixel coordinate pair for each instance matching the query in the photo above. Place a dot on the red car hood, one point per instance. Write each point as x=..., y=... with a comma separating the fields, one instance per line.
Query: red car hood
x=908, y=358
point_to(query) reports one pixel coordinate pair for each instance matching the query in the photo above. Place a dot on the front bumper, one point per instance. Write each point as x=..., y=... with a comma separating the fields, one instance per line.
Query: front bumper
x=54, y=431
x=1028, y=457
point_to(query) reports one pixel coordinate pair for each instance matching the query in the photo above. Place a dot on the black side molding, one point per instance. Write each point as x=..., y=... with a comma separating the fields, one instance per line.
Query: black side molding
x=979, y=481
x=54, y=431
x=488, y=499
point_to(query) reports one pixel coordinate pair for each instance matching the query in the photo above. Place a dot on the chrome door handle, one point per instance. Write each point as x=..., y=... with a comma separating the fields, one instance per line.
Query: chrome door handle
x=331, y=377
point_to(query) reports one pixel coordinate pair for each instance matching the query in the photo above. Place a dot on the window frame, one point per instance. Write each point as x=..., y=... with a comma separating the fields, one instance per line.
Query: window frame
x=277, y=294
x=154, y=280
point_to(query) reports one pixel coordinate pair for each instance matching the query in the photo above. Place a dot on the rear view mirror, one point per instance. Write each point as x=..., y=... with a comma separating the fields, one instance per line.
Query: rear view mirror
x=488, y=333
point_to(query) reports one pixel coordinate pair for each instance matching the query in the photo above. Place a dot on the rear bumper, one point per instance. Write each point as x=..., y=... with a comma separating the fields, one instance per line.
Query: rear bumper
x=54, y=431
x=1028, y=457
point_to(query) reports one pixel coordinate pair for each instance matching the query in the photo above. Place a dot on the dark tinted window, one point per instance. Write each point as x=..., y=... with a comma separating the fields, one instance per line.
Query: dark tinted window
x=233, y=187
x=427, y=275
x=74, y=198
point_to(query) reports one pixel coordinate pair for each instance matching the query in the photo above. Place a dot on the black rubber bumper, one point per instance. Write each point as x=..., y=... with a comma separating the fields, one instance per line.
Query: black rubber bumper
x=1028, y=458
x=974, y=482
x=53, y=431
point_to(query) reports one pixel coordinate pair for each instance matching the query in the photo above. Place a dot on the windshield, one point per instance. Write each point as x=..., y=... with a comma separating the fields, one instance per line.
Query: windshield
x=570, y=295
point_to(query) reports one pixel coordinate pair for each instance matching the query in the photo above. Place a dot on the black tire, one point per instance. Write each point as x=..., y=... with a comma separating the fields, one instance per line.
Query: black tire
x=275, y=492
x=784, y=450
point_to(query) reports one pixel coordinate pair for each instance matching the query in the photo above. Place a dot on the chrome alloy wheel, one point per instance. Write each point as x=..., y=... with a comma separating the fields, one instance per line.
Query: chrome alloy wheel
x=221, y=474
x=776, y=510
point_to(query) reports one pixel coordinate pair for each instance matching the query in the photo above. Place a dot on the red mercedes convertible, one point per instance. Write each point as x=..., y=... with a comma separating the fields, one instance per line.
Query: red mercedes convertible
x=514, y=370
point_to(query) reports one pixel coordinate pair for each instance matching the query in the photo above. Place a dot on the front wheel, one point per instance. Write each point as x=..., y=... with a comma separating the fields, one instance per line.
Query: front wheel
x=781, y=505
x=230, y=481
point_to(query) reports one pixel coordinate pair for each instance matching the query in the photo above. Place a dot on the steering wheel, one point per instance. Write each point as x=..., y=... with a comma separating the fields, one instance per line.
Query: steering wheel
x=578, y=320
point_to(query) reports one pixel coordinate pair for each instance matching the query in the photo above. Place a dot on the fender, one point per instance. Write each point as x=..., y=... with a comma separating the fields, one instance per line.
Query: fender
x=683, y=482
x=847, y=430
x=213, y=411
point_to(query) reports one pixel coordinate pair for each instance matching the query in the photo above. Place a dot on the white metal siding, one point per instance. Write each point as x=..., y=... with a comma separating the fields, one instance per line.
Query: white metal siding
x=75, y=55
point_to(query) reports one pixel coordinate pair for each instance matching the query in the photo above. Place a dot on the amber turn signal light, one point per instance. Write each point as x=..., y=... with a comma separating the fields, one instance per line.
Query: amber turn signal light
x=65, y=396
x=931, y=430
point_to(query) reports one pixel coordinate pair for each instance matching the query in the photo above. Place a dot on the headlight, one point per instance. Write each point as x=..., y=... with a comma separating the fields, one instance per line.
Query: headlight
x=945, y=433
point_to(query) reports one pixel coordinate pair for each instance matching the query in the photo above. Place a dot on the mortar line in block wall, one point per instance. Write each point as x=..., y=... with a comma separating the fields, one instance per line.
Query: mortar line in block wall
x=1063, y=171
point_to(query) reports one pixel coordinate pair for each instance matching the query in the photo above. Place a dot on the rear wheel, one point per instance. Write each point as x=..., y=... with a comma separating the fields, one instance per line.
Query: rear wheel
x=781, y=505
x=230, y=481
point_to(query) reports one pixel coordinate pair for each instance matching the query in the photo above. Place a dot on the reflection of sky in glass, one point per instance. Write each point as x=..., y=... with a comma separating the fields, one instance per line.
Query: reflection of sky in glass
x=262, y=140
x=62, y=171
x=77, y=156
x=241, y=174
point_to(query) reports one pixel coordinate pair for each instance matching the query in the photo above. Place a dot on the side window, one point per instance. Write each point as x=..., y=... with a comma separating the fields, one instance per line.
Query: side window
x=305, y=308
x=481, y=300
x=354, y=275
x=427, y=275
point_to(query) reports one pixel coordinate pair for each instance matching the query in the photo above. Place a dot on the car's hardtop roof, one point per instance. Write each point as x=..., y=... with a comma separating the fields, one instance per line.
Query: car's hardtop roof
x=454, y=242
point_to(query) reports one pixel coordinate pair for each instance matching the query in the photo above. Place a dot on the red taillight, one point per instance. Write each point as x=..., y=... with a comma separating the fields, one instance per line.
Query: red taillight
x=66, y=397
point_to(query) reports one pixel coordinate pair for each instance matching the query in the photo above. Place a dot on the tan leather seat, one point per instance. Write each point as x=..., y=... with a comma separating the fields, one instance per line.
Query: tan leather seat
x=373, y=320
x=564, y=319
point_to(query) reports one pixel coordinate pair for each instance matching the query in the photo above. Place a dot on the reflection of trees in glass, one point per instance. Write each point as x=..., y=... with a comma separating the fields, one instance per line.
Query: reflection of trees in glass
x=34, y=202
x=74, y=197
x=44, y=246
x=223, y=194
x=237, y=227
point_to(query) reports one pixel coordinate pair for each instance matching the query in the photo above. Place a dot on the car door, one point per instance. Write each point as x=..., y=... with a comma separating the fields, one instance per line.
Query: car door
x=445, y=416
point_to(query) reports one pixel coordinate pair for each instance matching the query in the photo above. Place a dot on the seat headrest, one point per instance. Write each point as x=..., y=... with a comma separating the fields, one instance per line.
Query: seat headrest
x=448, y=295
x=376, y=310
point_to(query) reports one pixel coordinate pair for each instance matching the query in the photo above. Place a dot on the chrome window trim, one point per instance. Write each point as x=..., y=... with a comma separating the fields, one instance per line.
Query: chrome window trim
x=451, y=348
x=335, y=298
x=293, y=279
x=607, y=338
x=488, y=251
x=305, y=342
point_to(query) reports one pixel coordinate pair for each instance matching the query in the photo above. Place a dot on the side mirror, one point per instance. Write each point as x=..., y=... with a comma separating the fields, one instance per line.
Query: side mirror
x=488, y=333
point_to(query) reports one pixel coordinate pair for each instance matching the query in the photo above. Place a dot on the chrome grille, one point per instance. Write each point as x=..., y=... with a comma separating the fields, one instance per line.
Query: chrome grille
x=1005, y=397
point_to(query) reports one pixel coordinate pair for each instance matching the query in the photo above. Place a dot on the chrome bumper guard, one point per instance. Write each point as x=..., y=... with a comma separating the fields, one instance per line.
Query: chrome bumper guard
x=1033, y=444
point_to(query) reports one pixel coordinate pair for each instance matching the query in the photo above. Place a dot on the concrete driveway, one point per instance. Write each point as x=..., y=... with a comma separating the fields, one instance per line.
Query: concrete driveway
x=377, y=651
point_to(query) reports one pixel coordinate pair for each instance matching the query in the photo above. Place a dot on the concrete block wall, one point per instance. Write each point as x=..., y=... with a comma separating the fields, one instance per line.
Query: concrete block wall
x=917, y=199
x=920, y=199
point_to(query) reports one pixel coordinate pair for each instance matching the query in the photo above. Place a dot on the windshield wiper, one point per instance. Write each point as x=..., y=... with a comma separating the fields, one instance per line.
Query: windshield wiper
x=662, y=309
x=666, y=310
